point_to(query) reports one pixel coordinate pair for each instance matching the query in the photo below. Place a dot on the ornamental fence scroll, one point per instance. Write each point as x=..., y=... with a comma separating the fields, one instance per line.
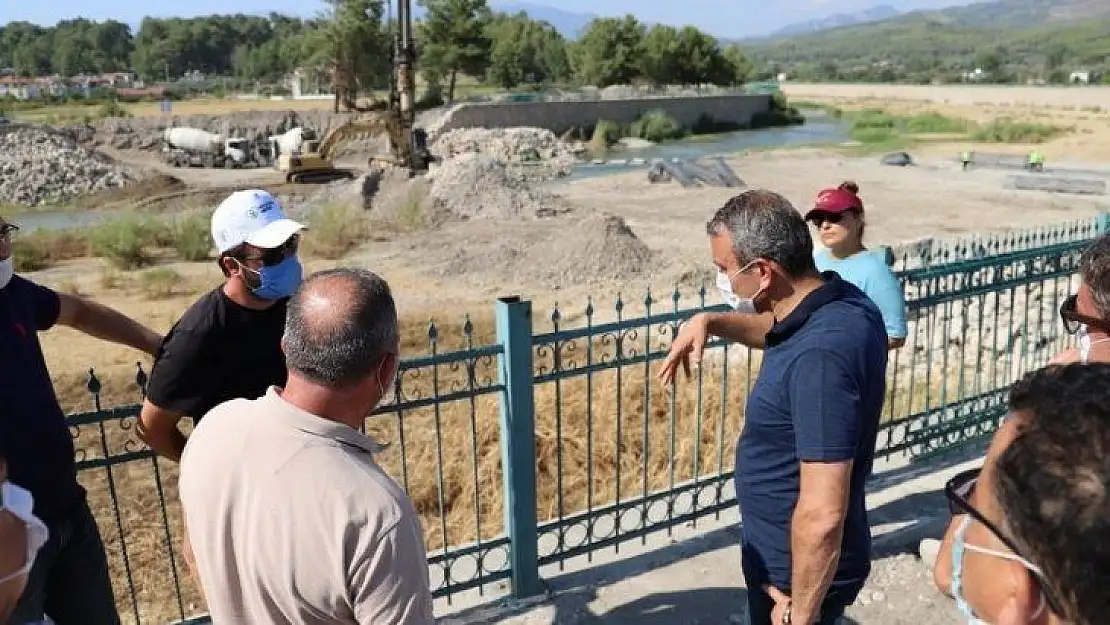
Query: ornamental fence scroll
x=525, y=441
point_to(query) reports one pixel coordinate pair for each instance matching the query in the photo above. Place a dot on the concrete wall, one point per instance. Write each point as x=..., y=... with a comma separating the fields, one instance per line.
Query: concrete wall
x=562, y=116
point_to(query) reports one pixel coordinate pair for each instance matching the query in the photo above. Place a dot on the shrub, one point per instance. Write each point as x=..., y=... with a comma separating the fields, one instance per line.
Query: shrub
x=160, y=283
x=40, y=250
x=125, y=242
x=656, y=126
x=605, y=134
x=936, y=123
x=191, y=237
x=1006, y=130
x=334, y=230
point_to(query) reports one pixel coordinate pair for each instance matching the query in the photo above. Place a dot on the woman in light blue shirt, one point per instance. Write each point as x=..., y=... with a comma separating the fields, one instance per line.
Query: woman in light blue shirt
x=838, y=217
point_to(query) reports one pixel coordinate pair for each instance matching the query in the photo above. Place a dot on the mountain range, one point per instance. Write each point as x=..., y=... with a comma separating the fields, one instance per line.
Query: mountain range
x=992, y=14
x=873, y=14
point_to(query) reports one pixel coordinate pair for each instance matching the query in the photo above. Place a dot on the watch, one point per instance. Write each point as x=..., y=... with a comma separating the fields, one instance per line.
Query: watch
x=786, y=614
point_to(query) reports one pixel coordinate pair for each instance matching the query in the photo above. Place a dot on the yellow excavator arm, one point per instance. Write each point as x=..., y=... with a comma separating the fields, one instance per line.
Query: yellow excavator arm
x=359, y=128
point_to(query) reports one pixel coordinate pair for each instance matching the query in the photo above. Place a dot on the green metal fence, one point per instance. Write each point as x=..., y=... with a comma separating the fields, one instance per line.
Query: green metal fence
x=526, y=440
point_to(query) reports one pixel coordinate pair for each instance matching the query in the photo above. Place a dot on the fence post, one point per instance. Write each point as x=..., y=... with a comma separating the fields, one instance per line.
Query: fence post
x=1104, y=223
x=518, y=443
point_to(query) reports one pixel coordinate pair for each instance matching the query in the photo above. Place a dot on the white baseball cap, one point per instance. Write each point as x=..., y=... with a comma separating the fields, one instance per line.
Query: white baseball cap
x=254, y=217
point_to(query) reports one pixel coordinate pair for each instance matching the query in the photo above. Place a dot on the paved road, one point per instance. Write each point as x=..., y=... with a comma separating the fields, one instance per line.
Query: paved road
x=693, y=577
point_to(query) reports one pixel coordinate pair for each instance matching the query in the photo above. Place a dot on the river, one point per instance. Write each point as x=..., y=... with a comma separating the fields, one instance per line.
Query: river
x=818, y=129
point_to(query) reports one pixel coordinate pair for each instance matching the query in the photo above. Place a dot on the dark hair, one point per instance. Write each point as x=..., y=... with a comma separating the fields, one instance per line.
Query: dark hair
x=851, y=187
x=764, y=224
x=339, y=344
x=1094, y=269
x=1053, y=483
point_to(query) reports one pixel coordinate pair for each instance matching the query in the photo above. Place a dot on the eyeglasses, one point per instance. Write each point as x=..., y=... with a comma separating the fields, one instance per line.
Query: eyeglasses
x=1072, y=319
x=275, y=255
x=958, y=491
x=820, y=218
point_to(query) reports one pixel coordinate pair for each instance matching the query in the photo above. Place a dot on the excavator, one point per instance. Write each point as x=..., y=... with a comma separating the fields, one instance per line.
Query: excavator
x=408, y=145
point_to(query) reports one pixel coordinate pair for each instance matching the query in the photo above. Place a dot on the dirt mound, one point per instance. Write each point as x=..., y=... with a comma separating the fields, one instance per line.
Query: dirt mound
x=596, y=249
x=476, y=186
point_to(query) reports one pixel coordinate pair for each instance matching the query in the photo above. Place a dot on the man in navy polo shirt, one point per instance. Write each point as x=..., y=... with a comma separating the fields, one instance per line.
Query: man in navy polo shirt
x=811, y=420
x=69, y=580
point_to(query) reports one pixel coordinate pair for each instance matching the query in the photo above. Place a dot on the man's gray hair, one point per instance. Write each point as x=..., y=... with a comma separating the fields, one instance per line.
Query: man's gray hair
x=339, y=325
x=1094, y=269
x=764, y=224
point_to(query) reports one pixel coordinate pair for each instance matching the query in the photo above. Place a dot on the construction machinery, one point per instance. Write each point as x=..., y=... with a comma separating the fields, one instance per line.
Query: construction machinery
x=408, y=145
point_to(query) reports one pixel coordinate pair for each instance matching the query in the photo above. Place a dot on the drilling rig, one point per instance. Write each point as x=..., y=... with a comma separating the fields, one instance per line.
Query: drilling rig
x=408, y=145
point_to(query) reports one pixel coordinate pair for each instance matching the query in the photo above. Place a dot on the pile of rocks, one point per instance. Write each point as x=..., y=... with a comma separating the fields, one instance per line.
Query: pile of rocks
x=41, y=166
x=537, y=146
x=478, y=186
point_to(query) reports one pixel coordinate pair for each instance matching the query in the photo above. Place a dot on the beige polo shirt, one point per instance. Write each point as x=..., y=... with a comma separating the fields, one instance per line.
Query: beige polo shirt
x=292, y=521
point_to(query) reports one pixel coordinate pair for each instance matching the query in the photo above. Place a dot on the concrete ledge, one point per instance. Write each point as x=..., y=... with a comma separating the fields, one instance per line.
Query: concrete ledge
x=562, y=116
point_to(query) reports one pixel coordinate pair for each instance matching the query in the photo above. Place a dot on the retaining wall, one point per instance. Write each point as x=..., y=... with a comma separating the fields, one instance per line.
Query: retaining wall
x=562, y=116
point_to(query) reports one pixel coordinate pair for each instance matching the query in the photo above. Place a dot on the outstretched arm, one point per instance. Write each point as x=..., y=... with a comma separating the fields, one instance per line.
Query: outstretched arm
x=105, y=323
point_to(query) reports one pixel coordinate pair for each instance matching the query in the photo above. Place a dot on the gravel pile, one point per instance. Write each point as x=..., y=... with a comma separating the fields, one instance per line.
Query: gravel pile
x=40, y=166
x=520, y=144
x=595, y=249
x=478, y=186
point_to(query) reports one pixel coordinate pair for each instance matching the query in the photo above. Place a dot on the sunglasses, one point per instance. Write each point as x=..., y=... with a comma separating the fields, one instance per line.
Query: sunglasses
x=820, y=218
x=958, y=491
x=274, y=256
x=1072, y=319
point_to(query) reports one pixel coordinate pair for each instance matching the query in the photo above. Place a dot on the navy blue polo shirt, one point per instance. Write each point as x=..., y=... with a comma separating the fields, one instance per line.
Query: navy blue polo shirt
x=818, y=397
x=34, y=437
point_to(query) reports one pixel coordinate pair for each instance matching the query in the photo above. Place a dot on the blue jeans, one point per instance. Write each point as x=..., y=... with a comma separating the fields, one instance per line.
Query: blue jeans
x=69, y=581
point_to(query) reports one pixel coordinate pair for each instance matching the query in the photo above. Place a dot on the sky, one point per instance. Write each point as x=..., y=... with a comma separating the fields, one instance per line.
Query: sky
x=724, y=18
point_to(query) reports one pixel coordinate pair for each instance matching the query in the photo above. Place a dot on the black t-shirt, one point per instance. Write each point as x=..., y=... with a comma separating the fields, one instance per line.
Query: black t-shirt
x=218, y=351
x=34, y=437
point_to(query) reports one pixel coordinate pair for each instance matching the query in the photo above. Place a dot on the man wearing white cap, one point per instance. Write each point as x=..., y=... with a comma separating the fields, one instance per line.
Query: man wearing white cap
x=228, y=344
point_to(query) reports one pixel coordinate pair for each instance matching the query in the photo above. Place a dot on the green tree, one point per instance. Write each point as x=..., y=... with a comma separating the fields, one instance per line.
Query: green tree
x=455, y=39
x=526, y=51
x=661, y=62
x=609, y=51
x=741, y=66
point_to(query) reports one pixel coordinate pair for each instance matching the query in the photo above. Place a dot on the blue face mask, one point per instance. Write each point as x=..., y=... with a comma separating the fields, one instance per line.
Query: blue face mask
x=278, y=281
x=959, y=545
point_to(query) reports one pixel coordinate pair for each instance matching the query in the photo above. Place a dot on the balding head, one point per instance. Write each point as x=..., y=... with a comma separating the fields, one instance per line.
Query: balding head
x=340, y=324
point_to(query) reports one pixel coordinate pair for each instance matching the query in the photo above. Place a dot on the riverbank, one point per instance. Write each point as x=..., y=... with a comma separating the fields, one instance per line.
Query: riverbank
x=1082, y=113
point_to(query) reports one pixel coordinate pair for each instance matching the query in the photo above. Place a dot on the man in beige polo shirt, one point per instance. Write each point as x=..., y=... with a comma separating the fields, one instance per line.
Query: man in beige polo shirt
x=290, y=520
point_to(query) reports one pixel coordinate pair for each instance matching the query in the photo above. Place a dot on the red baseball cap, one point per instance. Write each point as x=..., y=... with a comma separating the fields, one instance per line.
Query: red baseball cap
x=835, y=201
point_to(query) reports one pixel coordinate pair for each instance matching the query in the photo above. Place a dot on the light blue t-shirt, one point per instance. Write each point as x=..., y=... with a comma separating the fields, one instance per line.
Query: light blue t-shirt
x=869, y=272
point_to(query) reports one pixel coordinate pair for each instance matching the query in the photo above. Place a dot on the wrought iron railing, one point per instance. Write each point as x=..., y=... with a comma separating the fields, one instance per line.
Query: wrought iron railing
x=525, y=441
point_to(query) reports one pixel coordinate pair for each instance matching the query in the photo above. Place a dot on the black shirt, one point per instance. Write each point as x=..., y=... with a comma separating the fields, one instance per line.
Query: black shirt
x=34, y=437
x=218, y=351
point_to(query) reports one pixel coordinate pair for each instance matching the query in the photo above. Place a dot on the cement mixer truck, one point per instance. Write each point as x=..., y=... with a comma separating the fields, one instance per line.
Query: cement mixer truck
x=193, y=147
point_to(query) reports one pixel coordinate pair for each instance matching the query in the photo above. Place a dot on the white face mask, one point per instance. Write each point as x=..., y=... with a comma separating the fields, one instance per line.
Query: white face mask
x=18, y=502
x=7, y=270
x=739, y=304
x=1083, y=336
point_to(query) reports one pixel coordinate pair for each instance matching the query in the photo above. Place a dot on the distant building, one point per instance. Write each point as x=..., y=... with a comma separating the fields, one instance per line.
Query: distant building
x=1083, y=77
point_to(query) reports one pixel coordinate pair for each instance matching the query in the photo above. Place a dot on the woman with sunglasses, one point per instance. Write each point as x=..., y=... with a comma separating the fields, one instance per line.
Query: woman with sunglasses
x=1081, y=317
x=838, y=216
